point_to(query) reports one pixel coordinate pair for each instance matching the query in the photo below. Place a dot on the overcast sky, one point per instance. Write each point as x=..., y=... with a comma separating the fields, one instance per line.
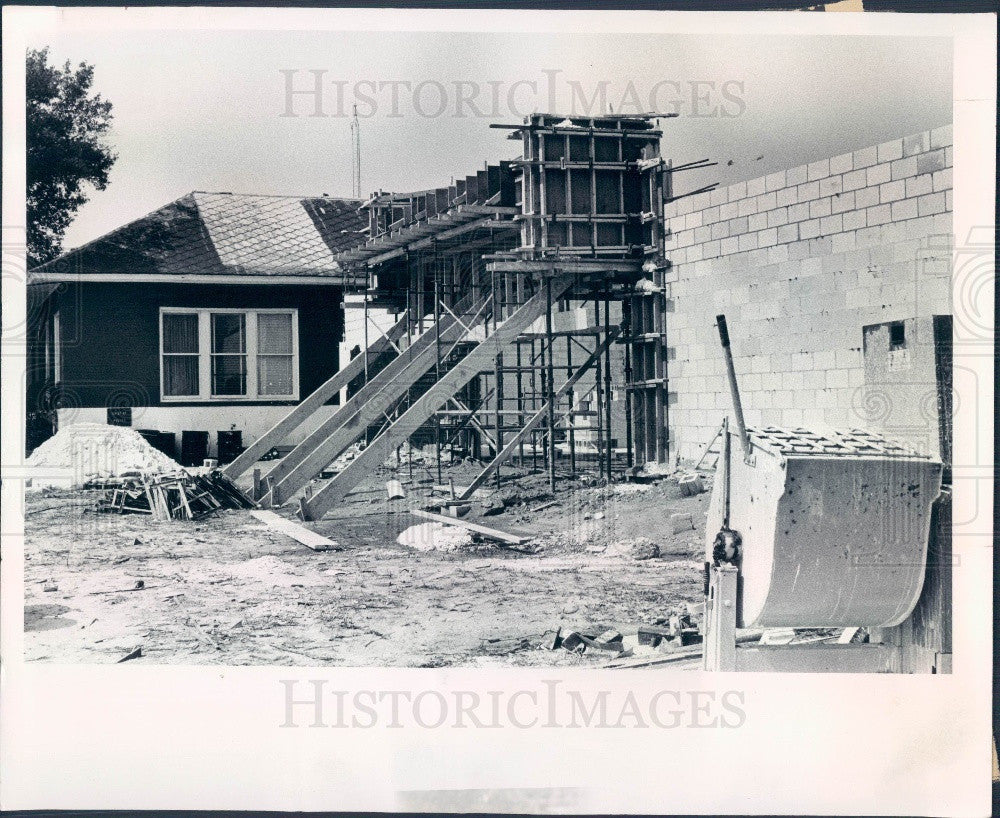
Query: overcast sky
x=203, y=111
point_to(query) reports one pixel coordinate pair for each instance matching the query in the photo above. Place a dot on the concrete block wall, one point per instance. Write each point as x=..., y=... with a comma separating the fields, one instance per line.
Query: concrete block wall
x=799, y=261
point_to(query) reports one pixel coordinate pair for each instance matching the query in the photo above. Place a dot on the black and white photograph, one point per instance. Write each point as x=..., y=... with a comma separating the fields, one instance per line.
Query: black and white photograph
x=628, y=352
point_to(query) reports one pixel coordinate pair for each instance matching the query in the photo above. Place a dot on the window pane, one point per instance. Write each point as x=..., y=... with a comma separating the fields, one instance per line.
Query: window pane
x=229, y=375
x=228, y=332
x=180, y=375
x=274, y=333
x=274, y=374
x=180, y=332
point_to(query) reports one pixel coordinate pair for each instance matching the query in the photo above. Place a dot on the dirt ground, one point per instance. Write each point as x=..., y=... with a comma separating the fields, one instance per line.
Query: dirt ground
x=229, y=590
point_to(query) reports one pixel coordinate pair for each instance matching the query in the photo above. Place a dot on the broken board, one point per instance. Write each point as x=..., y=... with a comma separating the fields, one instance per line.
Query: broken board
x=492, y=533
x=310, y=539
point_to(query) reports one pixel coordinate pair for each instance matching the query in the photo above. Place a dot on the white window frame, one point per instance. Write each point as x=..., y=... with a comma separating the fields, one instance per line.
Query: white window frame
x=205, y=356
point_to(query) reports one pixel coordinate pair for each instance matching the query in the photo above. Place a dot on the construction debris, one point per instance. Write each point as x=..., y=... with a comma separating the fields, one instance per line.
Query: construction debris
x=690, y=485
x=681, y=521
x=180, y=496
x=394, y=490
x=490, y=533
x=310, y=539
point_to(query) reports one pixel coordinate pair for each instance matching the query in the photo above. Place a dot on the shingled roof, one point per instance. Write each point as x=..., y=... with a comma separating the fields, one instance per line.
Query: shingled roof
x=222, y=234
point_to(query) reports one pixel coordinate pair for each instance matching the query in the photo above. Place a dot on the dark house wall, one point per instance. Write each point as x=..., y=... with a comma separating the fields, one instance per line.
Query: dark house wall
x=110, y=335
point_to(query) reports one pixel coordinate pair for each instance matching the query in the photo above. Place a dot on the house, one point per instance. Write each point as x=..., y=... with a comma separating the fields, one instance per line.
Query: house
x=213, y=313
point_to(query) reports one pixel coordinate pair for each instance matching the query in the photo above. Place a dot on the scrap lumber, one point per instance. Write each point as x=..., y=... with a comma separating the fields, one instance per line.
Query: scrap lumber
x=179, y=496
x=486, y=531
x=310, y=539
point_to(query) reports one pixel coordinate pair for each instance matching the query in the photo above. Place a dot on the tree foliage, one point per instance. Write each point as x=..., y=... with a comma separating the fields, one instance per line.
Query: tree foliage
x=66, y=149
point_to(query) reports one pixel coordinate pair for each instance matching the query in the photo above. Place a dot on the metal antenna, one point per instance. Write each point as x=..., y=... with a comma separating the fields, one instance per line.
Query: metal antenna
x=356, y=150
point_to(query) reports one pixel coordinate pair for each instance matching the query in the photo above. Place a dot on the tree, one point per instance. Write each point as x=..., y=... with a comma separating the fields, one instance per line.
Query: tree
x=66, y=149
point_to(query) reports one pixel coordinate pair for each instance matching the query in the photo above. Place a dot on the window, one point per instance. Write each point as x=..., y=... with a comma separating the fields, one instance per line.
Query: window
x=228, y=354
x=897, y=335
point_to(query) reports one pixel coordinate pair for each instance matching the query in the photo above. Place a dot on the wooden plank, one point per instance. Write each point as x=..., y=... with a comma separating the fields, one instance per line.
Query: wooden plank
x=277, y=433
x=310, y=539
x=433, y=399
x=345, y=426
x=486, y=531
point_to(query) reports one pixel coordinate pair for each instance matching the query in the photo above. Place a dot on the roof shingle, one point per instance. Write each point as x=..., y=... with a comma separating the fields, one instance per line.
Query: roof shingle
x=224, y=234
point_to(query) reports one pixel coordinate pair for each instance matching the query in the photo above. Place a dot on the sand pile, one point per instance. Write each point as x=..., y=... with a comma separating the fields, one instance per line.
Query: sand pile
x=87, y=450
x=434, y=537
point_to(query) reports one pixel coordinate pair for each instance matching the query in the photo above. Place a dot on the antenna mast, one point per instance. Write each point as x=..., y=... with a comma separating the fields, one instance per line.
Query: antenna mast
x=356, y=151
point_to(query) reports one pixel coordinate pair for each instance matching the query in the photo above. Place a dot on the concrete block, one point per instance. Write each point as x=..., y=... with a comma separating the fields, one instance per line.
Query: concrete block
x=798, y=212
x=737, y=191
x=738, y=225
x=755, y=186
x=865, y=157
x=947, y=201
x=728, y=211
x=717, y=196
x=941, y=137
x=808, y=191
x=866, y=197
x=796, y=176
x=837, y=379
x=842, y=202
x=918, y=143
x=729, y=246
x=831, y=185
x=767, y=201
x=941, y=179
x=756, y=221
x=879, y=214
x=854, y=179
x=710, y=214
x=930, y=204
x=905, y=209
x=786, y=196
x=693, y=220
x=819, y=208
x=902, y=168
x=748, y=241
x=949, y=154
x=776, y=217
x=787, y=233
x=778, y=253
x=769, y=237
x=831, y=224
x=744, y=207
x=890, y=150
x=842, y=163
x=844, y=242
x=919, y=185
x=930, y=162
x=809, y=229
x=878, y=174
x=891, y=191
x=692, y=485
x=818, y=170
x=854, y=220
x=774, y=181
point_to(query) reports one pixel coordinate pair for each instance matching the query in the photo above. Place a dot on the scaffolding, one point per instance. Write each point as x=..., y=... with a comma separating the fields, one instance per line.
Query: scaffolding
x=532, y=318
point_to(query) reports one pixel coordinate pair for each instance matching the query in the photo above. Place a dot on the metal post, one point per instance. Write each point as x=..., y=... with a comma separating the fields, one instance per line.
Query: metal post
x=598, y=389
x=572, y=406
x=549, y=385
x=627, y=323
x=437, y=364
x=733, y=388
x=607, y=384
